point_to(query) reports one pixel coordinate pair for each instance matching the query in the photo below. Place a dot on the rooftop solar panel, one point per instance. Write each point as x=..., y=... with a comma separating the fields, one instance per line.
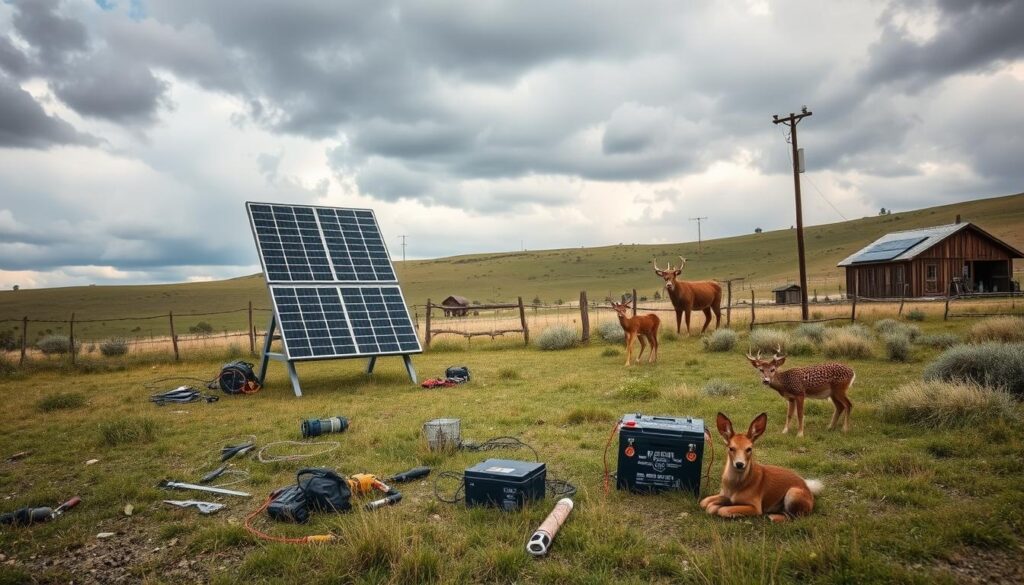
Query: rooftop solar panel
x=887, y=250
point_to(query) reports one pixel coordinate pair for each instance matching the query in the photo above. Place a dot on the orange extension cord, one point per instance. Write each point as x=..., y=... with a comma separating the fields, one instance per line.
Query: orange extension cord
x=311, y=539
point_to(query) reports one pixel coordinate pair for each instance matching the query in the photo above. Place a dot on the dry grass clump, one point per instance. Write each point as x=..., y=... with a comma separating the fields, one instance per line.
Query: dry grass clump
x=935, y=403
x=846, y=342
x=768, y=340
x=1001, y=329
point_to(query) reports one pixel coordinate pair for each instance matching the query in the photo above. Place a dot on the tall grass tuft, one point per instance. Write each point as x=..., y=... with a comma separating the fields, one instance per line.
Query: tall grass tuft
x=995, y=365
x=1003, y=329
x=639, y=388
x=556, y=337
x=898, y=347
x=720, y=340
x=947, y=404
x=508, y=373
x=767, y=339
x=846, y=343
x=800, y=346
x=812, y=331
x=611, y=352
x=446, y=345
x=938, y=340
x=60, y=401
x=115, y=346
x=588, y=414
x=127, y=430
x=611, y=332
x=893, y=327
x=7, y=367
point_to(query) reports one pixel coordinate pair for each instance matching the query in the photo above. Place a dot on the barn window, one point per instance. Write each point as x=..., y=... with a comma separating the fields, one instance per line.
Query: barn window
x=931, y=272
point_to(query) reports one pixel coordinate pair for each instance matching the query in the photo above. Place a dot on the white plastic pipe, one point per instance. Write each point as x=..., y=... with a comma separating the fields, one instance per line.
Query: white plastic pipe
x=540, y=542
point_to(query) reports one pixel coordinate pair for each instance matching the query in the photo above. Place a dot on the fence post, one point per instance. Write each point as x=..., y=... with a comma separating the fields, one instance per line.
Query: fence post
x=634, y=302
x=753, y=315
x=584, y=316
x=252, y=333
x=174, y=338
x=427, y=331
x=903, y=296
x=945, y=314
x=853, y=309
x=71, y=338
x=24, y=339
x=728, y=304
x=522, y=319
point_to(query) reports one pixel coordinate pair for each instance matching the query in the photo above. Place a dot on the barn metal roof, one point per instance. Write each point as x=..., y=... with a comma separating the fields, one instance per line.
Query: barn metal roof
x=930, y=237
x=785, y=287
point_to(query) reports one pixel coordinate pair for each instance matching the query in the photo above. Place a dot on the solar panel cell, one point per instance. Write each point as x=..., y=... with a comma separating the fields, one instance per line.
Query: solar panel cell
x=887, y=250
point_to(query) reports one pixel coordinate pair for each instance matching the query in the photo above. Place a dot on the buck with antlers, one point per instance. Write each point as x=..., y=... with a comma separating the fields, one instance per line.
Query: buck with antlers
x=830, y=380
x=643, y=326
x=687, y=296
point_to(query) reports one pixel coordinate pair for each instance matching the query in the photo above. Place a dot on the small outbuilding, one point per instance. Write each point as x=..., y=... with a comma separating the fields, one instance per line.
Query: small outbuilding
x=788, y=294
x=957, y=258
x=455, y=306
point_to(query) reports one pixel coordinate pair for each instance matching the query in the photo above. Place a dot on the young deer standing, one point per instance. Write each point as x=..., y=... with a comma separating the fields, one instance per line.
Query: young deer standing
x=642, y=326
x=752, y=489
x=831, y=380
x=691, y=295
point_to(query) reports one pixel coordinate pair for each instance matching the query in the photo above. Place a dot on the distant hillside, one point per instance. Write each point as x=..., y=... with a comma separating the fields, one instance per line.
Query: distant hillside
x=763, y=259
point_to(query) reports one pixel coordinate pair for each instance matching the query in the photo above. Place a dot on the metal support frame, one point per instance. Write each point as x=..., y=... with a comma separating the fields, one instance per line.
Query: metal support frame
x=268, y=355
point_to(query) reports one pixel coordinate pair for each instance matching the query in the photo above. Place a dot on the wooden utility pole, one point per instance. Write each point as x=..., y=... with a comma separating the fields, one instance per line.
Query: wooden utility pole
x=792, y=120
x=403, y=247
x=584, y=317
x=699, y=245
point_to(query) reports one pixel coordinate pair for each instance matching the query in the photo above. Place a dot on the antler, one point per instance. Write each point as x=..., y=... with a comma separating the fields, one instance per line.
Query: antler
x=750, y=357
x=778, y=352
x=682, y=262
x=655, y=261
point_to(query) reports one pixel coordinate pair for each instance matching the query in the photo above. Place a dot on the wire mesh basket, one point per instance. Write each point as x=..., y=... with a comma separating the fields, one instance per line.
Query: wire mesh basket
x=443, y=433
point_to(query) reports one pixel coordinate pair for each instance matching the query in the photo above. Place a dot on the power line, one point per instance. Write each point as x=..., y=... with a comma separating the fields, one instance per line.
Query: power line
x=403, y=247
x=792, y=120
x=786, y=136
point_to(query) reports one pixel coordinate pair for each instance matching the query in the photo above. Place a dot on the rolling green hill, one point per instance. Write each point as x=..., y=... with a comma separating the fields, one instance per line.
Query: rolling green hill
x=763, y=259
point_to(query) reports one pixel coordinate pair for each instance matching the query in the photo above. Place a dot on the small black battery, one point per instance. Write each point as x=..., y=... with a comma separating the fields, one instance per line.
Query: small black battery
x=504, y=483
x=658, y=453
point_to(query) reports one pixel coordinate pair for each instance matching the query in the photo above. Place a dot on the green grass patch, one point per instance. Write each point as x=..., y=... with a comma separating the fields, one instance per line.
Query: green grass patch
x=590, y=414
x=127, y=430
x=639, y=388
x=61, y=401
x=610, y=352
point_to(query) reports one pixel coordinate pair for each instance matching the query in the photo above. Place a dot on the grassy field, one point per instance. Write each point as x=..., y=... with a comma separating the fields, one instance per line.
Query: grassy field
x=901, y=504
x=765, y=260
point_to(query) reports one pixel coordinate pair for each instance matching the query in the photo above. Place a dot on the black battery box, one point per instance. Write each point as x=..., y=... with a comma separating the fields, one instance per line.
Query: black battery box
x=658, y=453
x=504, y=483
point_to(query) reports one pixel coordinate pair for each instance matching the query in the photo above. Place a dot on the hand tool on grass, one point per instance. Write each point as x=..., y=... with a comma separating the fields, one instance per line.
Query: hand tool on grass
x=28, y=516
x=178, y=485
x=204, y=507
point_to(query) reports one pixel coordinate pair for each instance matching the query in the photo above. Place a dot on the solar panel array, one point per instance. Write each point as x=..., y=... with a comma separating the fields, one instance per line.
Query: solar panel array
x=887, y=250
x=333, y=286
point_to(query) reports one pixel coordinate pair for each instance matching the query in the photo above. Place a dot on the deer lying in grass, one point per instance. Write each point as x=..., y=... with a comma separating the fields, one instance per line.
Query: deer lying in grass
x=830, y=380
x=752, y=489
x=687, y=296
x=643, y=326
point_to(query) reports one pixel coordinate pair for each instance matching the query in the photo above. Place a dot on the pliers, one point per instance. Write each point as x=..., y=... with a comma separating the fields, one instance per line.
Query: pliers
x=204, y=507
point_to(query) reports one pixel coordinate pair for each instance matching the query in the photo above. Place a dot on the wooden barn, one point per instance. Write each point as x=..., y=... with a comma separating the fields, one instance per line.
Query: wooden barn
x=455, y=306
x=956, y=258
x=788, y=294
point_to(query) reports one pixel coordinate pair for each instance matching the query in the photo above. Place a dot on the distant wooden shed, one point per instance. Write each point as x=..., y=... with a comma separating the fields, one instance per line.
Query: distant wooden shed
x=455, y=306
x=788, y=294
x=956, y=258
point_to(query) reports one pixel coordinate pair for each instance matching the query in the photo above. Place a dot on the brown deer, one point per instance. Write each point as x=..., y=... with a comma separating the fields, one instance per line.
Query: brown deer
x=830, y=380
x=752, y=489
x=687, y=296
x=642, y=326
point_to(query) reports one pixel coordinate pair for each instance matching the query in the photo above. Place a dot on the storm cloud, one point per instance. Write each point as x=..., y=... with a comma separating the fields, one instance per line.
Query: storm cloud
x=573, y=122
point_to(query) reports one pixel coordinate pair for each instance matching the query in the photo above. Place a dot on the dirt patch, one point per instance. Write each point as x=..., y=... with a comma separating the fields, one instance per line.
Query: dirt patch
x=986, y=566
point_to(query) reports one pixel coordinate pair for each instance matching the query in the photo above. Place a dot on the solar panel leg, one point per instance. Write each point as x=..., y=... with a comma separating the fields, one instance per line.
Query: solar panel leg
x=266, y=347
x=369, y=366
x=294, y=377
x=408, y=368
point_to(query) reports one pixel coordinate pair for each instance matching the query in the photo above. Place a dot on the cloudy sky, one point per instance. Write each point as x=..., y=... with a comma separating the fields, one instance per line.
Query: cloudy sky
x=131, y=131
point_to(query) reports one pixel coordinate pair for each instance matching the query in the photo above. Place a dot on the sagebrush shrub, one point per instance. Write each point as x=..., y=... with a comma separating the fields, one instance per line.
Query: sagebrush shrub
x=768, y=340
x=800, y=346
x=995, y=365
x=114, y=346
x=720, y=340
x=556, y=337
x=718, y=387
x=56, y=344
x=898, y=347
x=938, y=340
x=1004, y=329
x=894, y=327
x=915, y=315
x=857, y=329
x=845, y=342
x=812, y=331
x=611, y=332
x=936, y=403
